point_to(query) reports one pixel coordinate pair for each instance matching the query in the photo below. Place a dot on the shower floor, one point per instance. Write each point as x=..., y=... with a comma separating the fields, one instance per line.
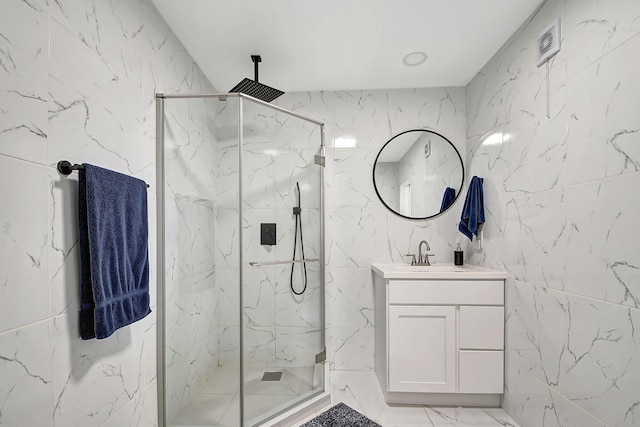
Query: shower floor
x=216, y=403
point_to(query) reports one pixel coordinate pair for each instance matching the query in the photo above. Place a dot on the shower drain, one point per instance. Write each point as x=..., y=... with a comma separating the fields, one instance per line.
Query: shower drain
x=272, y=376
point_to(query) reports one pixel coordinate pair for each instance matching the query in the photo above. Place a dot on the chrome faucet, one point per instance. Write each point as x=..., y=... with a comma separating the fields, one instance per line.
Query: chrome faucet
x=423, y=259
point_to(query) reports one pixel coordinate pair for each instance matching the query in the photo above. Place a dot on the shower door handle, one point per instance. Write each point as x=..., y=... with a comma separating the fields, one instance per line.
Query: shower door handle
x=260, y=264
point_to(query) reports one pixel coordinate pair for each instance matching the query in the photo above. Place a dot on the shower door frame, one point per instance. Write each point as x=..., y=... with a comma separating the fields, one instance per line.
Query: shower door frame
x=160, y=212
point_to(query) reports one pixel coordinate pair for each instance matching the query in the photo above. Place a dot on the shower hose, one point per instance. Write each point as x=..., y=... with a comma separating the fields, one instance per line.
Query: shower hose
x=298, y=220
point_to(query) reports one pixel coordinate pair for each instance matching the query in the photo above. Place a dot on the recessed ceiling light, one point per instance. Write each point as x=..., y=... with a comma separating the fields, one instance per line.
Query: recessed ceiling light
x=414, y=58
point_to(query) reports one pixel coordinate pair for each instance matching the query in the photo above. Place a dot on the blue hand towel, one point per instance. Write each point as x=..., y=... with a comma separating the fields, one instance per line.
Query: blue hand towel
x=473, y=211
x=447, y=198
x=114, y=260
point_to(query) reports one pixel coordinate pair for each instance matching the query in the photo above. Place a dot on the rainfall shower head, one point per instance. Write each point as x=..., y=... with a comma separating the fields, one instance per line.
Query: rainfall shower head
x=255, y=89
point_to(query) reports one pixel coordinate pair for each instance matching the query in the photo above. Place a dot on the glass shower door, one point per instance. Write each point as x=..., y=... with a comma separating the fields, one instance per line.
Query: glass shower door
x=282, y=285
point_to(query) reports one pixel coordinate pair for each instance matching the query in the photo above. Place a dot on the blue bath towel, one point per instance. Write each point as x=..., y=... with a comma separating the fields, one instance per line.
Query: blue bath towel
x=114, y=260
x=473, y=211
x=447, y=198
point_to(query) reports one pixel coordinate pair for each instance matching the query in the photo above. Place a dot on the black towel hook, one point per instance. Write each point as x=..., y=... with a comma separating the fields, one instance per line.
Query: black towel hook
x=66, y=168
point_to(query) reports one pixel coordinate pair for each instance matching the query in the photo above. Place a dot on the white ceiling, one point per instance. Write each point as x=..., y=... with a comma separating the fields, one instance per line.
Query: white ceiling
x=344, y=44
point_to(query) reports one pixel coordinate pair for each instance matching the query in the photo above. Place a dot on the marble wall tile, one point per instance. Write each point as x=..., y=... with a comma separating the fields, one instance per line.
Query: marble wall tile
x=115, y=364
x=361, y=118
x=354, y=189
x=228, y=286
x=349, y=297
x=600, y=263
x=355, y=236
x=189, y=149
x=24, y=293
x=600, y=370
x=140, y=412
x=26, y=376
x=604, y=131
x=439, y=109
x=178, y=308
x=229, y=345
x=260, y=346
x=350, y=349
x=315, y=105
x=23, y=80
x=227, y=224
x=298, y=310
x=190, y=236
x=93, y=110
x=178, y=390
x=594, y=28
x=534, y=345
x=533, y=404
x=203, y=355
x=112, y=30
x=259, y=296
x=535, y=238
x=297, y=346
x=581, y=348
x=532, y=142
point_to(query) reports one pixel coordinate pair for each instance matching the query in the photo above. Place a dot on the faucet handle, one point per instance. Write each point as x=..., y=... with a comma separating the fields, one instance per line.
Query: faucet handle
x=413, y=258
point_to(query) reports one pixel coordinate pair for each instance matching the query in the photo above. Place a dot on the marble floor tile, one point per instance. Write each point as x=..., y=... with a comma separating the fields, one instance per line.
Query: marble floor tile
x=361, y=391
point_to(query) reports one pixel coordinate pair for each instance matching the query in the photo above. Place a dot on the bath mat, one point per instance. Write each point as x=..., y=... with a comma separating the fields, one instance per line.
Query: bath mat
x=272, y=376
x=340, y=415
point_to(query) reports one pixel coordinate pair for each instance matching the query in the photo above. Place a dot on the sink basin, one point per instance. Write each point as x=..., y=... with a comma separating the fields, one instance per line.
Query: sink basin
x=428, y=268
x=436, y=271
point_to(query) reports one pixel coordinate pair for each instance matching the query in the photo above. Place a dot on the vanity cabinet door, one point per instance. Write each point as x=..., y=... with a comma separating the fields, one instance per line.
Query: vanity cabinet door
x=422, y=349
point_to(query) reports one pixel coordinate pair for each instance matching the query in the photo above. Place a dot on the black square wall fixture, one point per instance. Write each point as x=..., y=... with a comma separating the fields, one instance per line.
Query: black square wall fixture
x=267, y=234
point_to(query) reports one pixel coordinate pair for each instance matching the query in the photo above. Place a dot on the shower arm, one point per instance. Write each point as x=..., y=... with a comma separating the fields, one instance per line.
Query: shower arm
x=256, y=59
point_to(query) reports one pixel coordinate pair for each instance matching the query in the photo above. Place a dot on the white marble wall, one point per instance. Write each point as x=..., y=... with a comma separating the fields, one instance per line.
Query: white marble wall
x=560, y=194
x=77, y=80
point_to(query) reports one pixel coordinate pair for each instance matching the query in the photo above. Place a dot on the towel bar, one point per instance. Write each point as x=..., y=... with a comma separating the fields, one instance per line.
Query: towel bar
x=261, y=264
x=66, y=168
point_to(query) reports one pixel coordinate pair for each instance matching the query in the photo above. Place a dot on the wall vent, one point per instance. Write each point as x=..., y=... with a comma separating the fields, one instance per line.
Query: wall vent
x=549, y=42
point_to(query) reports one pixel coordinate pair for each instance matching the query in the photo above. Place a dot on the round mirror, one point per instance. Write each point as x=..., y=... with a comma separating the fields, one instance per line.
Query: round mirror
x=418, y=174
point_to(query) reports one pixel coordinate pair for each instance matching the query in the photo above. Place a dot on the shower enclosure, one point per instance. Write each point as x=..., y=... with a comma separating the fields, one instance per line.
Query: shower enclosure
x=239, y=344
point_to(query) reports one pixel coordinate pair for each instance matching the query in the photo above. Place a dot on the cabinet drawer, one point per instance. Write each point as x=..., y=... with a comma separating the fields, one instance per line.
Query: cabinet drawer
x=481, y=328
x=480, y=372
x=449, y=292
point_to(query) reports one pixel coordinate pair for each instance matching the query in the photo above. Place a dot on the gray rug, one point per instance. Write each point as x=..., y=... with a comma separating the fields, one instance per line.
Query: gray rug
x=340, y=415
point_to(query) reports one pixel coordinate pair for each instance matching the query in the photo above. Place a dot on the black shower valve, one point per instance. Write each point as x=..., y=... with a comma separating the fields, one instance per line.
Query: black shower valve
x=296, y=210
x=268, y=234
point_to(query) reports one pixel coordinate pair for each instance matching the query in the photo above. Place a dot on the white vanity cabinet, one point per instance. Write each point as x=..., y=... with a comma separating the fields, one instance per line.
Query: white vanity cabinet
x=439, y=334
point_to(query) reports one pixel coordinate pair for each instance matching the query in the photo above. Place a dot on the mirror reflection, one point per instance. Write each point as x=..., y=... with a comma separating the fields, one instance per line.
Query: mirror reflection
x=418, y=174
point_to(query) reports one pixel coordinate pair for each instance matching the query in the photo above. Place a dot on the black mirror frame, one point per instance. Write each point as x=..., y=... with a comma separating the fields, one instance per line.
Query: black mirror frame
x=373, y=175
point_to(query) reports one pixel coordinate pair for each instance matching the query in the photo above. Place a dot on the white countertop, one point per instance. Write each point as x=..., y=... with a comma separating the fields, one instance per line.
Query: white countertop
x=436, y=271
